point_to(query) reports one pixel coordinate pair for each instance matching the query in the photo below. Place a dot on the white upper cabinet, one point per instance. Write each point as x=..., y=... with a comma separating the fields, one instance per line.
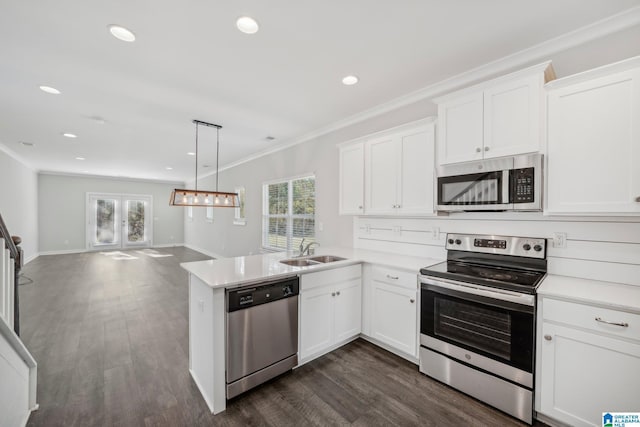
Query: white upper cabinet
x=593, y=142
x=501, y=117
x=389, y=173
x=352, y=179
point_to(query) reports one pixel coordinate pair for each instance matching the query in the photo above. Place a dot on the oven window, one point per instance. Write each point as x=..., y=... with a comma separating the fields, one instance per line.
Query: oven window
x=472, y=189
x=480, y=328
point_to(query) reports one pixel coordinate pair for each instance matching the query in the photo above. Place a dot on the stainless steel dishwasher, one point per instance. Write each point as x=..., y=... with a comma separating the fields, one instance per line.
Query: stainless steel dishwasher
x=261, y=333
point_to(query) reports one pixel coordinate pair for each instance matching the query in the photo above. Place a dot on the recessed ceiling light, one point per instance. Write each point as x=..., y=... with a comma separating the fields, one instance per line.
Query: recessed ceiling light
x=49, y=89
x=350, y=80
x=121, y=33
x=80, y=158
x=169, y=168
x=247, y=25
x=191, y=153
x=26, y=144
x=70, y=135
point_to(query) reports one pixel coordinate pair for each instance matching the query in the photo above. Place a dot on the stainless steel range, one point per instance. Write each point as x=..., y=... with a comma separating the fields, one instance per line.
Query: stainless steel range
x=477, y=323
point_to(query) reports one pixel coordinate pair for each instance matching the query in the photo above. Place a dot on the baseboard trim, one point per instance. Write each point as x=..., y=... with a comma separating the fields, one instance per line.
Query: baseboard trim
x=65, y=252
x=81, y=251
x=390, y=349
x=204, y=251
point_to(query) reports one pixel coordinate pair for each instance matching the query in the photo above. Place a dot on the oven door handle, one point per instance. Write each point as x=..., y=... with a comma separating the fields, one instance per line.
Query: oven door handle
x=468, y=291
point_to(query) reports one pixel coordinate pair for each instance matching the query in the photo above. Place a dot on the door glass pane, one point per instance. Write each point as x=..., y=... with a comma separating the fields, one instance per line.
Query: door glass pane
x=478, y=327
x=135, y=220
x=105, y=221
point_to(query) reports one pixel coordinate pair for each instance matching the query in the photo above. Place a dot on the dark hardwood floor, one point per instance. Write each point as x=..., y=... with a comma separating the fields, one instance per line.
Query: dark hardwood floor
x=111, y=340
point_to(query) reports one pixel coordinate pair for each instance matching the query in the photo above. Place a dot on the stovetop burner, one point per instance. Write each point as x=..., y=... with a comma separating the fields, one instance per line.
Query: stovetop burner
x=523, y=281
x=511, y=263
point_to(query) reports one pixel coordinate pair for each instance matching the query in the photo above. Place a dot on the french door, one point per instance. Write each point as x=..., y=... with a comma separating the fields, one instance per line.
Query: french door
x=118, y=221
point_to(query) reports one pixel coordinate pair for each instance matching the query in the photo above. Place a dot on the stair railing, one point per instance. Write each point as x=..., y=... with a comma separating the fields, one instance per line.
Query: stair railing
x=10, y=265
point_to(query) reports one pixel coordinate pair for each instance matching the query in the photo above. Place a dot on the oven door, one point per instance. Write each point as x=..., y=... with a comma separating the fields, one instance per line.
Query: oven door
x=497, y=325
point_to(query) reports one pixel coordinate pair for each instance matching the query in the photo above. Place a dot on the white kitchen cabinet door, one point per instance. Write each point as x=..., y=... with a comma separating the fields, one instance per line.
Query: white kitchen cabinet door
x=417, y=175
x=585, y=374
x=593, y=146
x=352, y=179
x=394, y=317
x=512, y=117
x=460, y=134
x=348, y=310
x=381, y=175
x=316, y=320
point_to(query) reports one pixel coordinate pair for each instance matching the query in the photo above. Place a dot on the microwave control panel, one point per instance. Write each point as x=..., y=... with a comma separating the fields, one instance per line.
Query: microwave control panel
x=522, y=187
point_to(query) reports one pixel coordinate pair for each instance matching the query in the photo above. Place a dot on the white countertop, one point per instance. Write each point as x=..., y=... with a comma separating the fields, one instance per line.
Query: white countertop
x=607, y=294
x=232, y=272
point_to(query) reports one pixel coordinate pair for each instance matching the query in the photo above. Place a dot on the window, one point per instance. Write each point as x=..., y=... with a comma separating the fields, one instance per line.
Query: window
x=239, y=218
x=288, y=213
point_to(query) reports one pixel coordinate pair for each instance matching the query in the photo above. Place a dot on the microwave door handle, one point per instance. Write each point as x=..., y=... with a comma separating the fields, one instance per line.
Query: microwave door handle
x=506, y=186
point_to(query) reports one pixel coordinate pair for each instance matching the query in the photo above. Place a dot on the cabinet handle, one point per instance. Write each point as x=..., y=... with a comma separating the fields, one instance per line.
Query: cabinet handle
x=478, y=149
x=623, y=324
x=398, y=206
x=359, y=207
x=547, y=337
x=333, y=294
x=412, y=300
x=338, y=293
x=486, y=148
x=392, y=277
x=638, y=199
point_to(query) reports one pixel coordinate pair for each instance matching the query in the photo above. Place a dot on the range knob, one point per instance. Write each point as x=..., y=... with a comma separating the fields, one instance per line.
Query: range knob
x=450, y=241
x=526, y=247
x=537, y=248
x=458, y=242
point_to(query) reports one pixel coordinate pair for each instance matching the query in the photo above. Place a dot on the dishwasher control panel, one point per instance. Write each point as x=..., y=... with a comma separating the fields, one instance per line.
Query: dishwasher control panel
x=251, y=296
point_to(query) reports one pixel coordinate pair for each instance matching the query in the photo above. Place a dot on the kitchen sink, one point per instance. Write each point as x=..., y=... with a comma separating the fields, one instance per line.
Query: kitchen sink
x=315, y=260
x=327, y=258
x=299, y=262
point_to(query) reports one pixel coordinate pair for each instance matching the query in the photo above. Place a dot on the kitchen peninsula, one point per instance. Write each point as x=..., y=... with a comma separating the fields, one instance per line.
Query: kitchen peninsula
x=208, y=281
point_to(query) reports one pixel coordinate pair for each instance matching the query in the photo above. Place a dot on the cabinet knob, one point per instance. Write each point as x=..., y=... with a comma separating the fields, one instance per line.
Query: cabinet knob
x=486, y=148
x=547, y=337
x=359, y=207
x=338, y=293
x=333, y=294
x=478, y=149
x=412, y=300
x=638, y=199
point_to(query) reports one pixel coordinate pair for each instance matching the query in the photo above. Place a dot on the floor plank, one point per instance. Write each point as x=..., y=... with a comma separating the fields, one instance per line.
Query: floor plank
x=111, y=340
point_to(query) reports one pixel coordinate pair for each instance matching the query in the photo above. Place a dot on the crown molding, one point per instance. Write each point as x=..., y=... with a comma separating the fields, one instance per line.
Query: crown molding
x=15, y=156
x=541, y=51
x=112, y=178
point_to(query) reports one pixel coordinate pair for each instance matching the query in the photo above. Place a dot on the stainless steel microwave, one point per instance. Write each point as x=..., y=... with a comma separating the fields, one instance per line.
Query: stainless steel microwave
x=502, y=184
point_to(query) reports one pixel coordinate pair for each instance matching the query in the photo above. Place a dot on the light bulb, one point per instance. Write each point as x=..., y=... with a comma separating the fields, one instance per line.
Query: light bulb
x=184, y=198
x=226, y=200
x=195, y=199
x=217, y=201
x=206, y=200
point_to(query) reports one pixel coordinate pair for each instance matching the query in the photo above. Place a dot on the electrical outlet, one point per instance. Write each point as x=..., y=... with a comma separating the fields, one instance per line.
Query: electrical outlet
x=560, y=240
x=435, y=231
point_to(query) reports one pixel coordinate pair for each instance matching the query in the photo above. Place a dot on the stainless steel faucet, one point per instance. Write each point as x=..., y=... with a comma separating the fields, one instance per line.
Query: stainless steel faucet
x=306, y=249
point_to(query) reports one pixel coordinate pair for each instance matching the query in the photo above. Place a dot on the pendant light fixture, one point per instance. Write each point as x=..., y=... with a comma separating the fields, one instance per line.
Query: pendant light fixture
x=184, y=197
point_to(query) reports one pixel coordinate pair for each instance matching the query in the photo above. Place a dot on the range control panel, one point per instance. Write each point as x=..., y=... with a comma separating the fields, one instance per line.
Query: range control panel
x=530, y=247
x=251, y=296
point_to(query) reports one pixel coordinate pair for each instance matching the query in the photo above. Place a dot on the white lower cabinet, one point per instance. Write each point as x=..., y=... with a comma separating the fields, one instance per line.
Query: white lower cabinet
x=586, y=367
x=394, y=309
x=330, y=310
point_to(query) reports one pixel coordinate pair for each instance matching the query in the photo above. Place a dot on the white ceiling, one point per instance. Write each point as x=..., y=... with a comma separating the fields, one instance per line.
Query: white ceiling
x=190, y=62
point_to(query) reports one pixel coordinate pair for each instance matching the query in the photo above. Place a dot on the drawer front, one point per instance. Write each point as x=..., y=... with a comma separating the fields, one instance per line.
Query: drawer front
x=584, y=316
x=395, y=277
x=329, y=277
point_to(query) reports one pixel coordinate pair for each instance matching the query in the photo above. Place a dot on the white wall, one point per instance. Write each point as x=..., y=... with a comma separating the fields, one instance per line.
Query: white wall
x=19, y=202
x=320, y=156
x=62, y=209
